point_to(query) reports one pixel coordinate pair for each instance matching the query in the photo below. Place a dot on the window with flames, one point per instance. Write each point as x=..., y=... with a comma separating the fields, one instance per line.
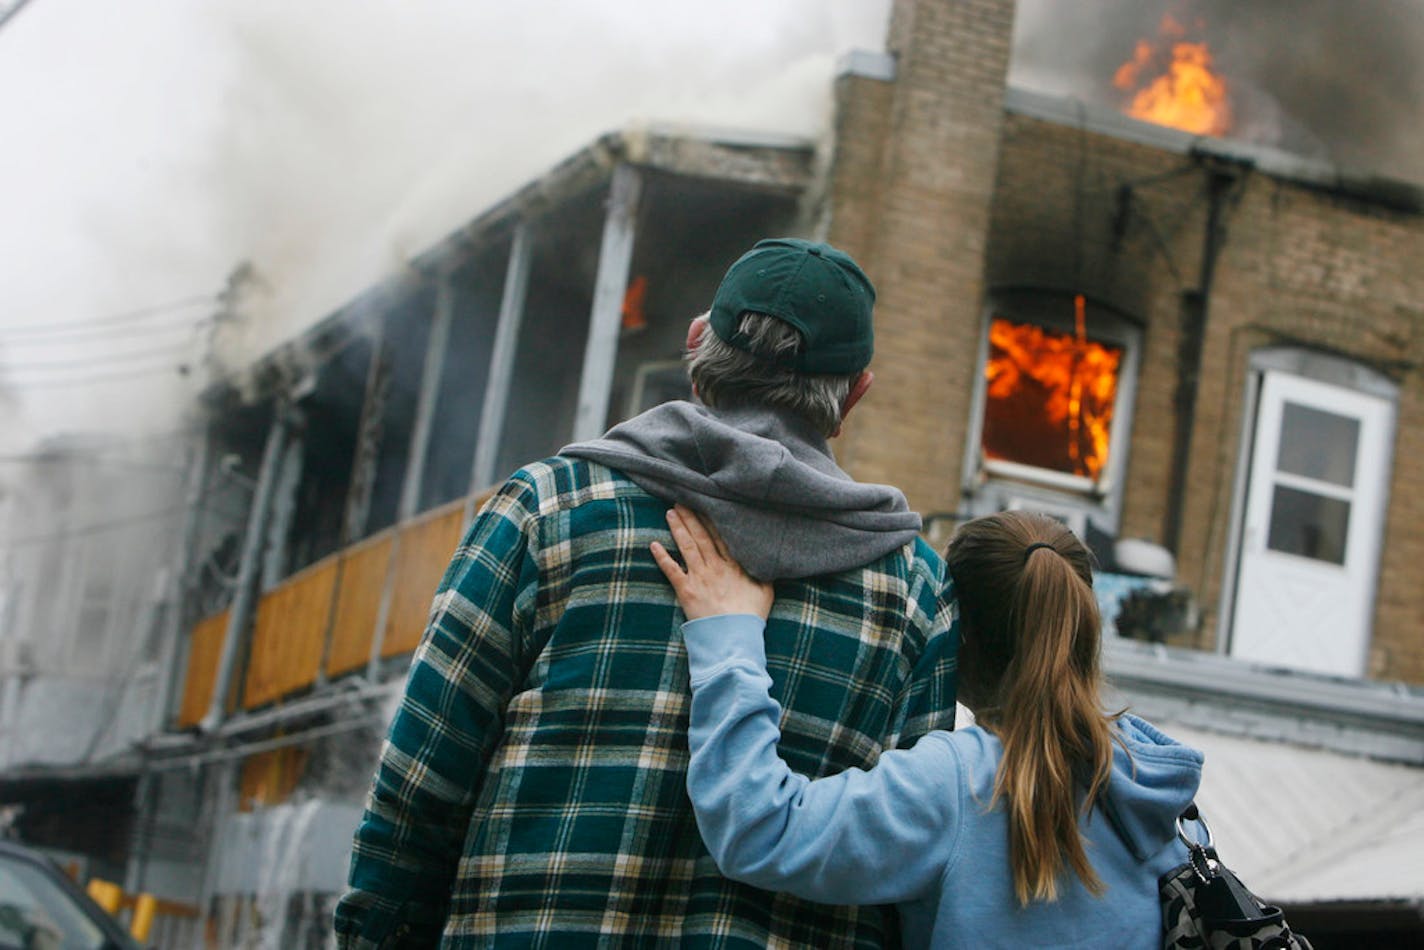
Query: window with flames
x=1049, y=397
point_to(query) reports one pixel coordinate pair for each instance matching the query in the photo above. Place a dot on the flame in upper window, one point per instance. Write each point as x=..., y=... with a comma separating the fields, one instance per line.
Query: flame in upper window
x=1172, y=82
x=1049, y=396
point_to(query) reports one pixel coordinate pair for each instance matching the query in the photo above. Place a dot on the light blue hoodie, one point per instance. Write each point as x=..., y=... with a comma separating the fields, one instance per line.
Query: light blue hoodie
x=916, y=829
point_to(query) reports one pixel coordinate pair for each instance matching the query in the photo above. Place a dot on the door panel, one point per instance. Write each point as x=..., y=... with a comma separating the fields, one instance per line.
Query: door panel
x=1310, y=538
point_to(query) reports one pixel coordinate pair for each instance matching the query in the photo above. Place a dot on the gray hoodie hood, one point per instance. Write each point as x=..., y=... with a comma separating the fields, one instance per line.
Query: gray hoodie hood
x=1152, y=781
x=765, y=479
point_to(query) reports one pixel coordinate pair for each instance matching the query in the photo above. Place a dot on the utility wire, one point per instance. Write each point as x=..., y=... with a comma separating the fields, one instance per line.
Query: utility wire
x=43, y=336
x=128, y=316
x=46, y=383
x=92, y=362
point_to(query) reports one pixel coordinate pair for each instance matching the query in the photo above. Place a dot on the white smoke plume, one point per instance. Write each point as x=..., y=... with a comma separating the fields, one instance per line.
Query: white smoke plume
x=324, y=143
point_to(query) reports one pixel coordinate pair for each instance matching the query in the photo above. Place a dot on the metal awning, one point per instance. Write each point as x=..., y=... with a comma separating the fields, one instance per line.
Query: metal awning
x=1310, y=826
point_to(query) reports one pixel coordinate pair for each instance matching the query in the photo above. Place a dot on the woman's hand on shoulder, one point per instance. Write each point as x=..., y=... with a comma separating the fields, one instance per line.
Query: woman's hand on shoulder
x=712, y=582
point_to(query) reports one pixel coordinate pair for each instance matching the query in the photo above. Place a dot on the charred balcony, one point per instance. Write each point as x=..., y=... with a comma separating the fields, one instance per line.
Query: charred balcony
x=360, y=451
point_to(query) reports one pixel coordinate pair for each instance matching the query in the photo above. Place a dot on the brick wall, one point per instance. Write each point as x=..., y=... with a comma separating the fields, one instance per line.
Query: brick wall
x=910, y=199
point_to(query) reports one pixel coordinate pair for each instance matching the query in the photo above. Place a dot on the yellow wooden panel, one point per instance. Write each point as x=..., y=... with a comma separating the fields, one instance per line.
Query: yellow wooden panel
x=204, y=652
x=358, y=601
x=270, y=777
x=426, y=545
x=289, y=634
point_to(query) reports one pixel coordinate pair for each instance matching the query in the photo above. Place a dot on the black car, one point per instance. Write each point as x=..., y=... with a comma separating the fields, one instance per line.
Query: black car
x=42, y=909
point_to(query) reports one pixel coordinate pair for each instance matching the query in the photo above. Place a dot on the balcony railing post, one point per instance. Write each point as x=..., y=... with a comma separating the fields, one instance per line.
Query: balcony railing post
x=415, y=464
x=177, y=618
x=610, y=285
x=244, y=601
x=368, y=438
x=501, y=373
x=430, y=377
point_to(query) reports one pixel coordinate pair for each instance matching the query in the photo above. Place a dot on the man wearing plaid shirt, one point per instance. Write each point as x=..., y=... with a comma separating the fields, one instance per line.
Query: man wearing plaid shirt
x=531, y=792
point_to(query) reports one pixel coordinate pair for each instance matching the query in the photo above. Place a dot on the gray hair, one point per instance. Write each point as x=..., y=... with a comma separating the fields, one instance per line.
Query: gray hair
x=727, y=377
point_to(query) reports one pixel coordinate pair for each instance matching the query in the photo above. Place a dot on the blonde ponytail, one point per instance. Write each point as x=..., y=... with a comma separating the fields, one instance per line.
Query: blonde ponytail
x=1029, y=668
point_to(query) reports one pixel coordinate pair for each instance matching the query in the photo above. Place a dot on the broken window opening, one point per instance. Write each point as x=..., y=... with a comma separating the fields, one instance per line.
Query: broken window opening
x=237, y=435
x=332, y=415
x=406, y=323
x=1050, y=396
x=477, y=287
x=548, y=358
x=1054, y=402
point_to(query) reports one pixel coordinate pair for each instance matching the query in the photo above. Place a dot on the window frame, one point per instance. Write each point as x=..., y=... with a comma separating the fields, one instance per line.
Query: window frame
x=995, y=484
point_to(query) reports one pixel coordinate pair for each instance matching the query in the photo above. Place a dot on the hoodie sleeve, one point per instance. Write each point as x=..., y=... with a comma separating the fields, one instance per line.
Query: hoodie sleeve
x=857, y=837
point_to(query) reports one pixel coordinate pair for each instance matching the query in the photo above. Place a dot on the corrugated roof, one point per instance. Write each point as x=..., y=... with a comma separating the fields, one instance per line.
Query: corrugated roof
x=1304, y=826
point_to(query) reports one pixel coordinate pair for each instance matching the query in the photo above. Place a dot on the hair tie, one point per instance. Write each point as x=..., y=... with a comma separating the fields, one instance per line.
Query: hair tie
x=1035, y=546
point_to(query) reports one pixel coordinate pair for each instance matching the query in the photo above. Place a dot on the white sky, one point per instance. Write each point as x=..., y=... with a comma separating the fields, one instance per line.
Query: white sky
x=148, y=147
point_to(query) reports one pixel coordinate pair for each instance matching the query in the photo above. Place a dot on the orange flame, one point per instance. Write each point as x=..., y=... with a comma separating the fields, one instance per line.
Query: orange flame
x=1050, y=396
x=1184, y=93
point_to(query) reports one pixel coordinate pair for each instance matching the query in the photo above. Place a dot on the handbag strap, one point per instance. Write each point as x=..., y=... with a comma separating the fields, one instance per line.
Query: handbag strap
x=1202, y=855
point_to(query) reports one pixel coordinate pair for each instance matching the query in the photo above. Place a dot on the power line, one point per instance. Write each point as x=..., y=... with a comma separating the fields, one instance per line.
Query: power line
x=43, y=336
x=114, y=319
x=97, y=361
x=179, y=368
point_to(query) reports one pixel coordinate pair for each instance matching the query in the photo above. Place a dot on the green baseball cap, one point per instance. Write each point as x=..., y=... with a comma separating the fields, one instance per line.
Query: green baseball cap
x=817, y=289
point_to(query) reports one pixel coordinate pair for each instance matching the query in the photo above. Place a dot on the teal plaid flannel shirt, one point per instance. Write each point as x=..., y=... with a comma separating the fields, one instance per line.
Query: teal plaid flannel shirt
x=531, y=791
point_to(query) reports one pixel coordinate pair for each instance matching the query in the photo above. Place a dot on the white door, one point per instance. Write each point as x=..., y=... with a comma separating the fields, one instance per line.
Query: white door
x=1311, y=536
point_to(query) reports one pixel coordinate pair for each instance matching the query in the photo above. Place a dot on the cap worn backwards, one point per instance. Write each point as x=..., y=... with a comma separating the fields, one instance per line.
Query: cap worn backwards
x=816, y=288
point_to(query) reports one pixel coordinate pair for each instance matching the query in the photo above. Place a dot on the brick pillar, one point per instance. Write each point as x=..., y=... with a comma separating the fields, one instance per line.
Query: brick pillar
x=910, y=189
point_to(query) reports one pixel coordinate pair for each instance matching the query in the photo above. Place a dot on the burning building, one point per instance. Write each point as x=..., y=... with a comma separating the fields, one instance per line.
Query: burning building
x=1201, y=353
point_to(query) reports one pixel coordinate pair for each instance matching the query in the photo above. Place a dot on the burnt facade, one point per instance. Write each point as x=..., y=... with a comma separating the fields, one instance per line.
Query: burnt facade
x=1209, y=346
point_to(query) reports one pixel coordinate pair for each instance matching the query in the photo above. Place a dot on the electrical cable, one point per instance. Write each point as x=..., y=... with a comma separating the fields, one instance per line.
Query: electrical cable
x=179, y=368
x=83, y=335
x=90, y=362
x=128, y=316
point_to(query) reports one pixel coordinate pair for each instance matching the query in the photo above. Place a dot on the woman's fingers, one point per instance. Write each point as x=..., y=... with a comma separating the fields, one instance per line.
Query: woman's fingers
x=700, y=532
x=712, y=582
x=686, y=541
x=671, y=569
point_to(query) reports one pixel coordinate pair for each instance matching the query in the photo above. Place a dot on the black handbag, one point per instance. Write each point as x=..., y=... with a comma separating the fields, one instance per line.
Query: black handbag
x=1205, y=905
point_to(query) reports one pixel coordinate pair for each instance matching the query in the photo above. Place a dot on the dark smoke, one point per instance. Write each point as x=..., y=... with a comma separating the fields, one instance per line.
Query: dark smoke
x=1338, y=81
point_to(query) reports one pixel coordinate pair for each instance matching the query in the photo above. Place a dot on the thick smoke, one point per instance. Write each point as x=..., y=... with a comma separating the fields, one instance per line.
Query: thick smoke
x=324, y=143
x=1340, y=82
x=354, y=137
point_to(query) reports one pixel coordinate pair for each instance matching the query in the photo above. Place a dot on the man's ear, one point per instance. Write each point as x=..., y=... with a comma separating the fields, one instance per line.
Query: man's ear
x=857, y=389
x=695, y=329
